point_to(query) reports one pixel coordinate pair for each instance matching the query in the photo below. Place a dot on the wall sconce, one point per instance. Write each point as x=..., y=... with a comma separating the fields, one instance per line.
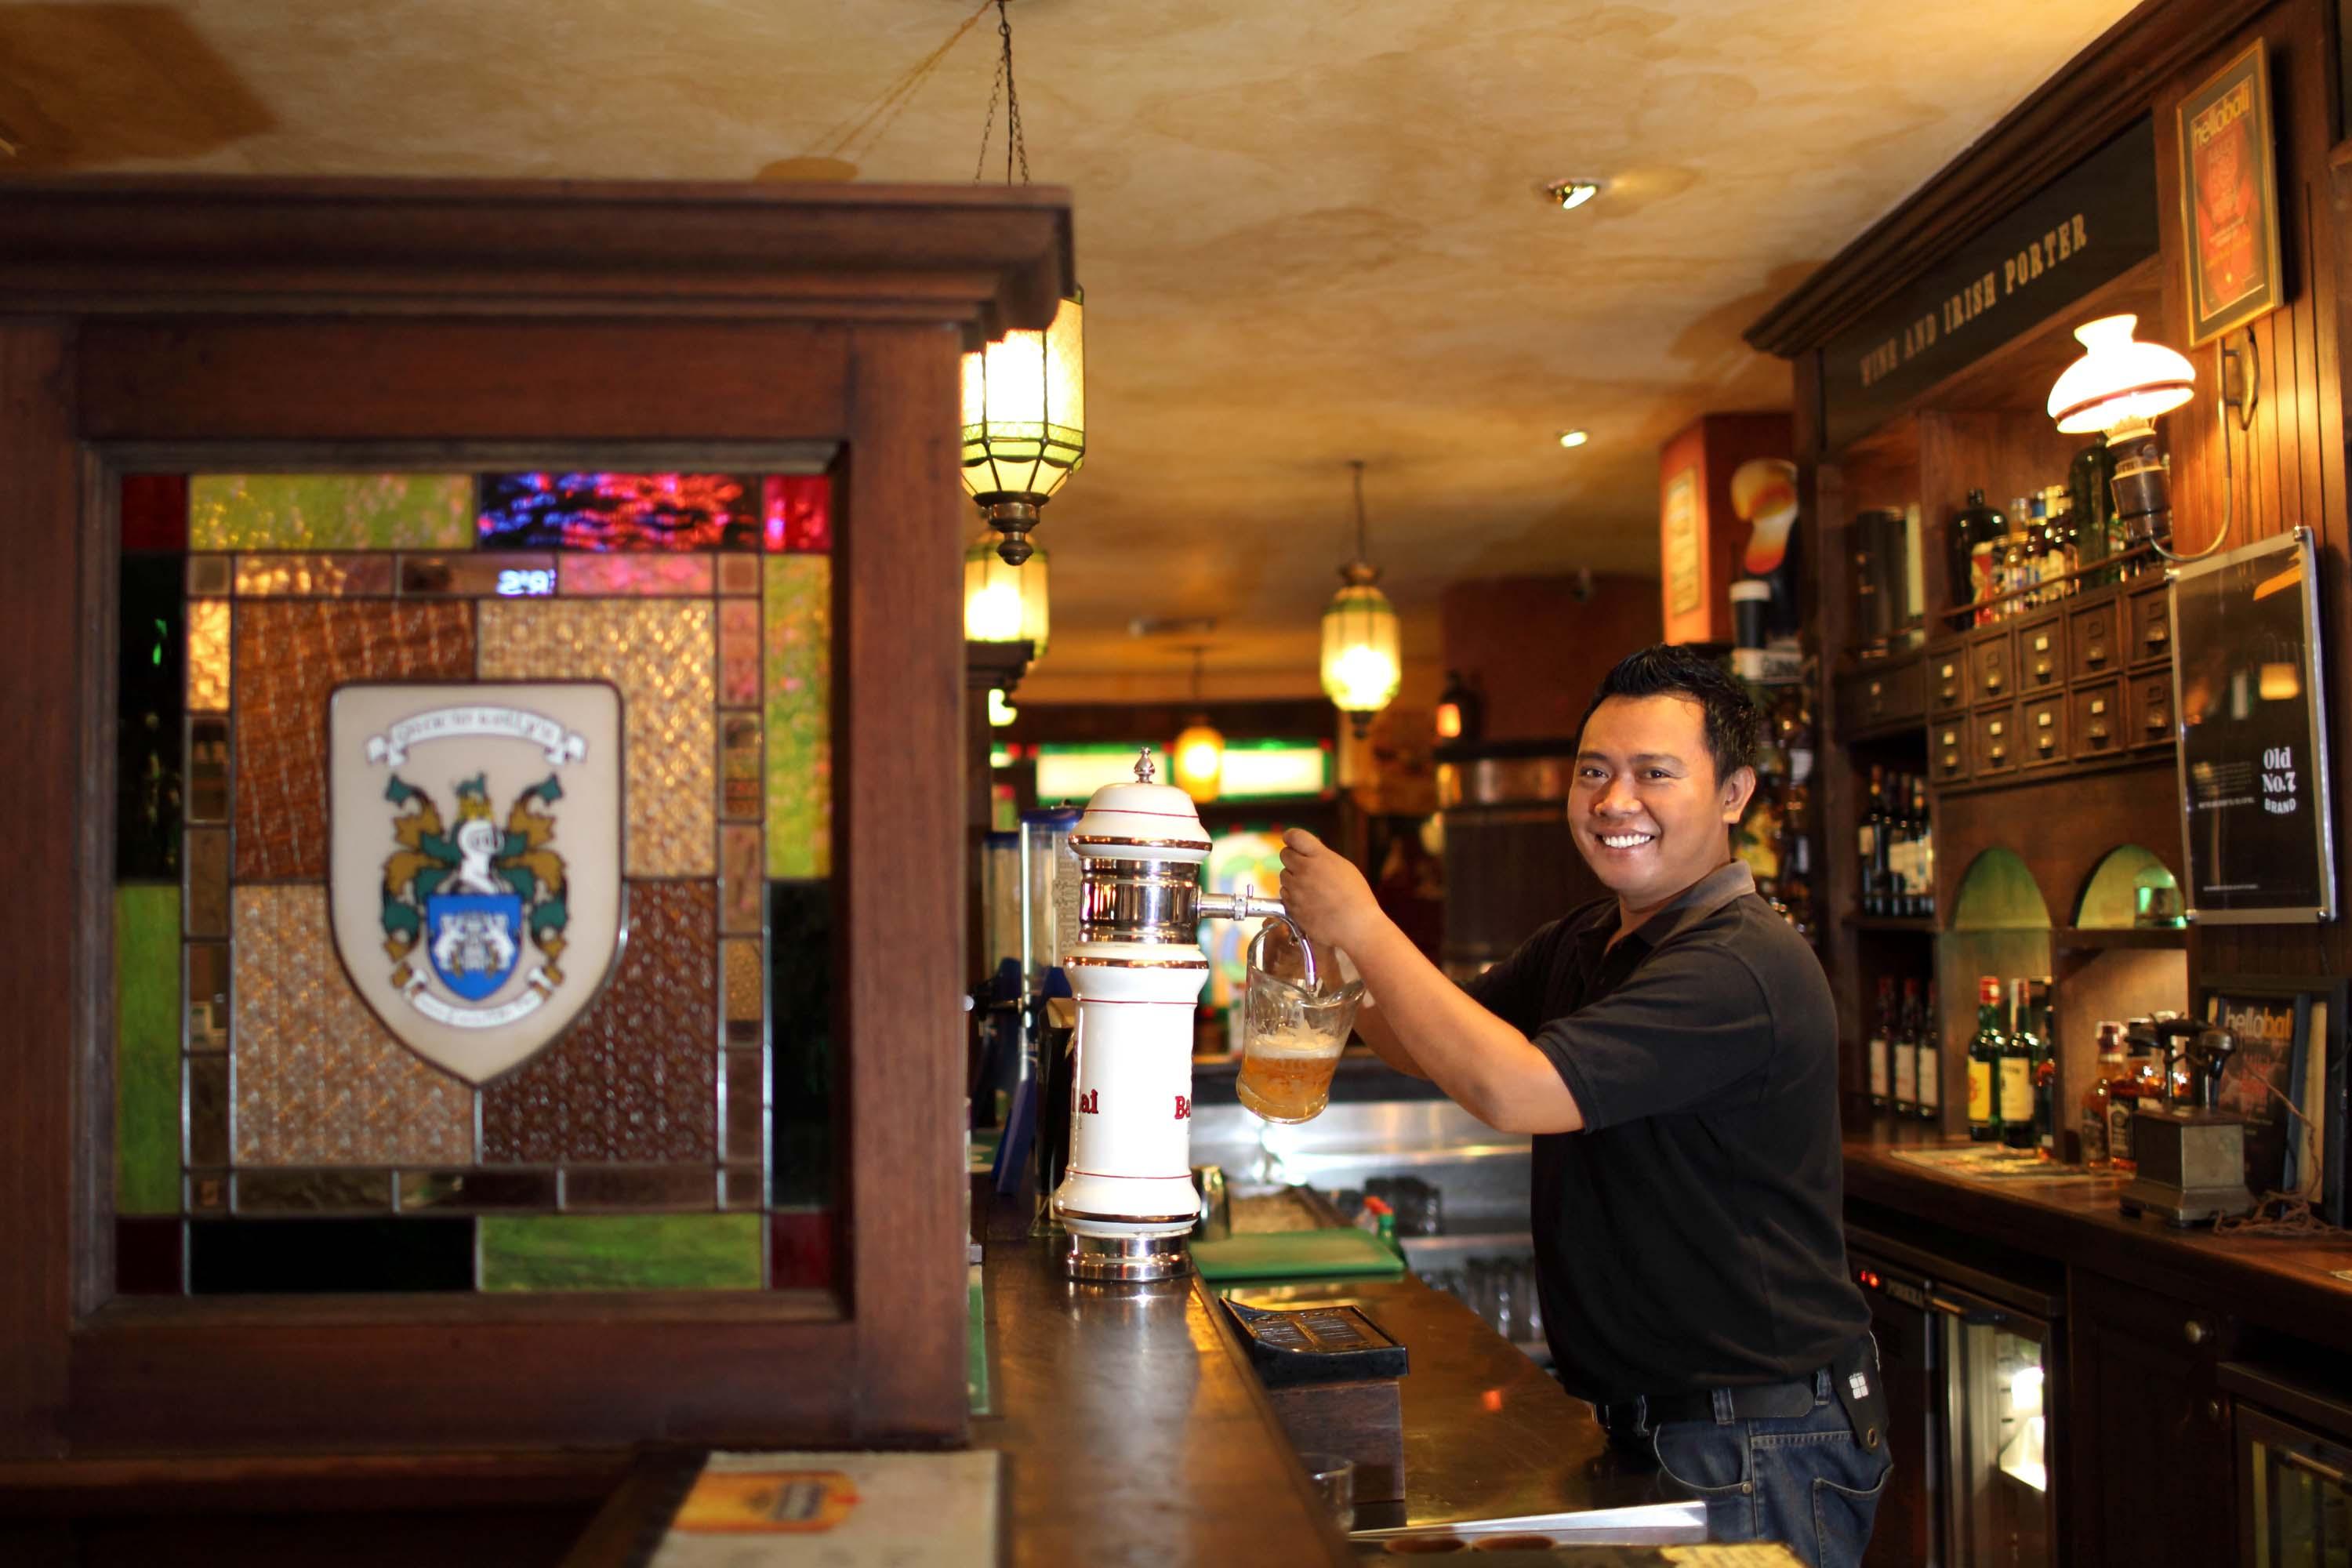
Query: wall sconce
x=1459, y=716
x=1002, y=602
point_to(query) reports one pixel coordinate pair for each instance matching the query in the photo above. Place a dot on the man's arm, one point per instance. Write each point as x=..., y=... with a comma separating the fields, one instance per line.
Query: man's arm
x=1485, y=1065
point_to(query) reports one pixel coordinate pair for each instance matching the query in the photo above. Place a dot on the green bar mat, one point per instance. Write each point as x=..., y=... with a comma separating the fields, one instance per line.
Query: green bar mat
x=1343, y=1252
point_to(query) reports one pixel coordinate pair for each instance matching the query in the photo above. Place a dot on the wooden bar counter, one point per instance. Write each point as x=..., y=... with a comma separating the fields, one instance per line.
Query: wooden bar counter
x=1135, y=1430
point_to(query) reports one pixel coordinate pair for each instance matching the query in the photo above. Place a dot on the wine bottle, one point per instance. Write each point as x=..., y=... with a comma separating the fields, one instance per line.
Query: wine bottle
x=1881, y=1047
x=2017, y=1055
x=1905, y=1049
x=1984, y=1062
x=1931, y=1061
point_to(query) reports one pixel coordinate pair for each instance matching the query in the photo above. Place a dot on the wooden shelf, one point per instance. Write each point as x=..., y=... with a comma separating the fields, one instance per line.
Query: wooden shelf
x=2119, y=936
x=1924, y=925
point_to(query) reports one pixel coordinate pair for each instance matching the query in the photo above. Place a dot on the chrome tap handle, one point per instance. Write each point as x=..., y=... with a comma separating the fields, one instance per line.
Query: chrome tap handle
x=1242, y=905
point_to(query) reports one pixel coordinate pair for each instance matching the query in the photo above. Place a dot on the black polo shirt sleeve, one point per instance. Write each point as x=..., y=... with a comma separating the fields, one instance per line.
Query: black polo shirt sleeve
x=1688, y=1031
x=1514, y=990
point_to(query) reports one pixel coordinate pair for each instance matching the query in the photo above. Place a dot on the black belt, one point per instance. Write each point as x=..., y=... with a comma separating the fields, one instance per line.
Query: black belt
x=1642, y=1413
x=1852, y=1380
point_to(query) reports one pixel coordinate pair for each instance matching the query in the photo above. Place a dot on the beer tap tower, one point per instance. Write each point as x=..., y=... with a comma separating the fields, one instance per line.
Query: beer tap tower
x=1128, y=1199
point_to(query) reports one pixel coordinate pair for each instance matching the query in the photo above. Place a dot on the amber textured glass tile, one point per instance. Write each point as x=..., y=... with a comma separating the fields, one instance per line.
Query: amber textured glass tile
x=330, y=511
x=307, y=576
x=686, y=1187
x=292, y=654
x=469, y=576
x=208, y=1193
x=662, y=654
x=746, y=972
x=209, y=1110
x=797, y=615
x=742, y=890
x=456, y=1192
x=207, y=970
x=206, y=909
x=210, y=576
x=738, y=574
x=209, y=655
x=312, y=1192
x=742, y=785
x=208, y=769
x=634, y=1081
x=747, y=1104
x=647, y=576
x=320, y=1080
x=739, y=653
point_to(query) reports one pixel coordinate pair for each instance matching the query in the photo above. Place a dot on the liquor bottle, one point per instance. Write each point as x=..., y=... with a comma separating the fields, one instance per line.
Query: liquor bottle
x=2060, y=546
x=1866, y=842
x=1882, y=876
x=1931, y=1060
x=1973, y=550
x=2017, y=1054
x=1984, y=1063
x=2126, y=1094
x=2016, y=560
x=1923, y=855
x=2045, y=1069
x=1882, y=1038
x=1894, y=894
x=2090, y=483
x=2097, y=1099
x=1906, y=1046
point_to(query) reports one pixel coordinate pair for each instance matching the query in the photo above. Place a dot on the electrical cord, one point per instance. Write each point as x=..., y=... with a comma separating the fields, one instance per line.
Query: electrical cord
x=2221, y=405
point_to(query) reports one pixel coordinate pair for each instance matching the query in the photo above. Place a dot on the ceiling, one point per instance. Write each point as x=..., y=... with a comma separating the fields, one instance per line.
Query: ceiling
x=1307, y=232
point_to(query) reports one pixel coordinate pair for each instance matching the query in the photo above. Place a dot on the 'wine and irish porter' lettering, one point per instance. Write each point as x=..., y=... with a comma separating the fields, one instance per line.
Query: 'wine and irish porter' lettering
x=1977, y=295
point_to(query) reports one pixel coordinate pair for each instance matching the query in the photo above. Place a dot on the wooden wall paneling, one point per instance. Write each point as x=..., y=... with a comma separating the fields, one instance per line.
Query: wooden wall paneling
x=42, y=818
x=2062, y=827
x=901, y=879
x=229, y=379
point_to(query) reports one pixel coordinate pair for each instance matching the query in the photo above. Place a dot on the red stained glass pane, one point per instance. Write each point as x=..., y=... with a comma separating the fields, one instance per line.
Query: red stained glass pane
x=155, y=511
x=798, y=510
x=800, y=1249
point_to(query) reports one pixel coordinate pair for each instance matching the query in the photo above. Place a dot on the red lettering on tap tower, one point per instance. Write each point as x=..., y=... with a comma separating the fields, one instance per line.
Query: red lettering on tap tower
x=1183, y=1108
x=1090, y=1102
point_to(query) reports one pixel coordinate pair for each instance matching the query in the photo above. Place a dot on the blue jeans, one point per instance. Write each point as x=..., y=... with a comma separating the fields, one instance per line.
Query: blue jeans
x=1802, y=1479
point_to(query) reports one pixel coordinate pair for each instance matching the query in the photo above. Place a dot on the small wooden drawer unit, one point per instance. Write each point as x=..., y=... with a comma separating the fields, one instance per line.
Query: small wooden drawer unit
x=2151, y=623
x=1949, y=685
x=1992, y=669
x=1948, y=749
x=2042, y=654
x=2094, y=643
x=1877, y=697
x=2150, y=701
x=1995, y=749
x=2043, y=736
x=2099, y=727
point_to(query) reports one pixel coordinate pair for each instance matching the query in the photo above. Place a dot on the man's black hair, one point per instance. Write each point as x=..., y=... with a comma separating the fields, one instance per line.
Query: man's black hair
x=1734, y=724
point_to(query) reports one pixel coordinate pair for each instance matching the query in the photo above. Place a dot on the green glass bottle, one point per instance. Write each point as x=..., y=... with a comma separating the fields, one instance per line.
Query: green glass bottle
x=2017, y=1052
x=1984, y=1063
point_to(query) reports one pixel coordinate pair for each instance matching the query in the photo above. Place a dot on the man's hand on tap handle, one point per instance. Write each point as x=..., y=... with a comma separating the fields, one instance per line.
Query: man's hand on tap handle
x=1324, y=893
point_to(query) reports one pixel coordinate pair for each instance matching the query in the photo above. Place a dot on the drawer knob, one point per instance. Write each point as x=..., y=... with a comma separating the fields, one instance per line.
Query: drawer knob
x=2096, y=654
x=2098, y=734
x=2000, y=754
x=2156, y=719
x=2045, y=718
x=2041, y=644
x=1950, y=672
x=2157, y=632
x=2042, y=670
x=1951, y=737
x=2098, y=705
x=1992, y=680
x=1997, y=727
x=1951, y=762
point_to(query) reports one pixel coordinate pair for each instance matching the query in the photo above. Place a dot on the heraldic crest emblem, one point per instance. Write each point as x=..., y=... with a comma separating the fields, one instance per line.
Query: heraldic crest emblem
x=484, y=930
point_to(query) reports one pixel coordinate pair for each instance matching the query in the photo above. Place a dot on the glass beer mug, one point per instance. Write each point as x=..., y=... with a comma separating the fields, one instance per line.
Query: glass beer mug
x=1293, y=1028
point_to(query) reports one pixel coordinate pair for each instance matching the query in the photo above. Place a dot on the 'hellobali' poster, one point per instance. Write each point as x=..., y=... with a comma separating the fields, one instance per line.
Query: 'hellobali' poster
x=2229, y=196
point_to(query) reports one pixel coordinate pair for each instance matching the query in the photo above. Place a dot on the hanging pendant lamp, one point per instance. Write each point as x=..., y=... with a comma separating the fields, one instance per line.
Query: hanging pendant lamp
x=1362, y=666
x=1025, y=395
x=1199, y=754
x=1002, y=602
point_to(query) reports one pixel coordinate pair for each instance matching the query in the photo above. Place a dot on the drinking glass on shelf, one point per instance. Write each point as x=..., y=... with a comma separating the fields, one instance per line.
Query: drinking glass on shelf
x=1334, y=1480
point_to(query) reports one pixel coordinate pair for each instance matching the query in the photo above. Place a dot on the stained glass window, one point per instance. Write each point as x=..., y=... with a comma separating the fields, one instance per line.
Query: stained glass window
x=282, y=1127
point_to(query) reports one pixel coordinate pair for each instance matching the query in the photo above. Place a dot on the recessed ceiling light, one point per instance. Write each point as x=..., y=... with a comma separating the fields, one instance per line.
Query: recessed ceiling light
x=1572, y=193
x=1573, y=438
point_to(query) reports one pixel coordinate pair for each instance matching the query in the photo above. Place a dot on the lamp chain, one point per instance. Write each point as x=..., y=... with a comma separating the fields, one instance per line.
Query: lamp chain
x=1004, y=87
x=1358, y=464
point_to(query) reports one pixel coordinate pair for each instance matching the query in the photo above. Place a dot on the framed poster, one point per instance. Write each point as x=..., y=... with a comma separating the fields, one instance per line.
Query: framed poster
x=2291, y=1051
x=2250, y=710
x=2229, y=198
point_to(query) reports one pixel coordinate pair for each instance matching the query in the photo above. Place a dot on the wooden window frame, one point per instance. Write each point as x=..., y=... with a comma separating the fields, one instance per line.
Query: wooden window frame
x=207, y=321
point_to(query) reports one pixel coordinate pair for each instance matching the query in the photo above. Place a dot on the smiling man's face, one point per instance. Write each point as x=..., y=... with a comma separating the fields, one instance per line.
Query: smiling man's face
x=1648, y=811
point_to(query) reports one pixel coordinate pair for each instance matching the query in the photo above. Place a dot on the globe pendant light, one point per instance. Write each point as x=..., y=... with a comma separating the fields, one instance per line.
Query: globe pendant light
x=1362, y=666
x=1002, y=602
x=1199, y=754
x=1025, y=395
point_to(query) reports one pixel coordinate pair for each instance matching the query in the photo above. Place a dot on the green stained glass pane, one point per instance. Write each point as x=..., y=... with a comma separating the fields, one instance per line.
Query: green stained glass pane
x=147, y=1051
x=797, y=628
x=330, y=511
x=622, y=1252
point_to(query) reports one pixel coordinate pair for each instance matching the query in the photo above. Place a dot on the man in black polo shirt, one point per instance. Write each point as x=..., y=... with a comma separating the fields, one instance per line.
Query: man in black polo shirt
x=1674, y=1049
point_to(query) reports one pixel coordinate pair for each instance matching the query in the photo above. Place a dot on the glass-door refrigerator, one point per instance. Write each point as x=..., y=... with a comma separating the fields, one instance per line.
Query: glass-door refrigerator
x=1971, y=1361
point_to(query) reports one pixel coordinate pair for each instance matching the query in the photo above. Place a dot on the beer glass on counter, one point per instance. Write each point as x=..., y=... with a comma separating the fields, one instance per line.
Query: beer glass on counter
x=1293, y=1031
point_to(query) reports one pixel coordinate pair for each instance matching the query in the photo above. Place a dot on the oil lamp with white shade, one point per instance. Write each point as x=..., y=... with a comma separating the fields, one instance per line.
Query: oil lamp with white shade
x=2120, y=385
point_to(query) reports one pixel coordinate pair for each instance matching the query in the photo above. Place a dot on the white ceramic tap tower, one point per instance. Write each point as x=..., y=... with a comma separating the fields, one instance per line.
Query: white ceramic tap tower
x=1126, y=1199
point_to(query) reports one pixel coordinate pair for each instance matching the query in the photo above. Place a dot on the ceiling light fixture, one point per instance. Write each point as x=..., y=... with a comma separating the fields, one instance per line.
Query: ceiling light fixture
x=1025, y=395
x=1574, y=438
x=1570, y=195
x=1361, y=667
x=1198, y=756
x=1002, y=602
